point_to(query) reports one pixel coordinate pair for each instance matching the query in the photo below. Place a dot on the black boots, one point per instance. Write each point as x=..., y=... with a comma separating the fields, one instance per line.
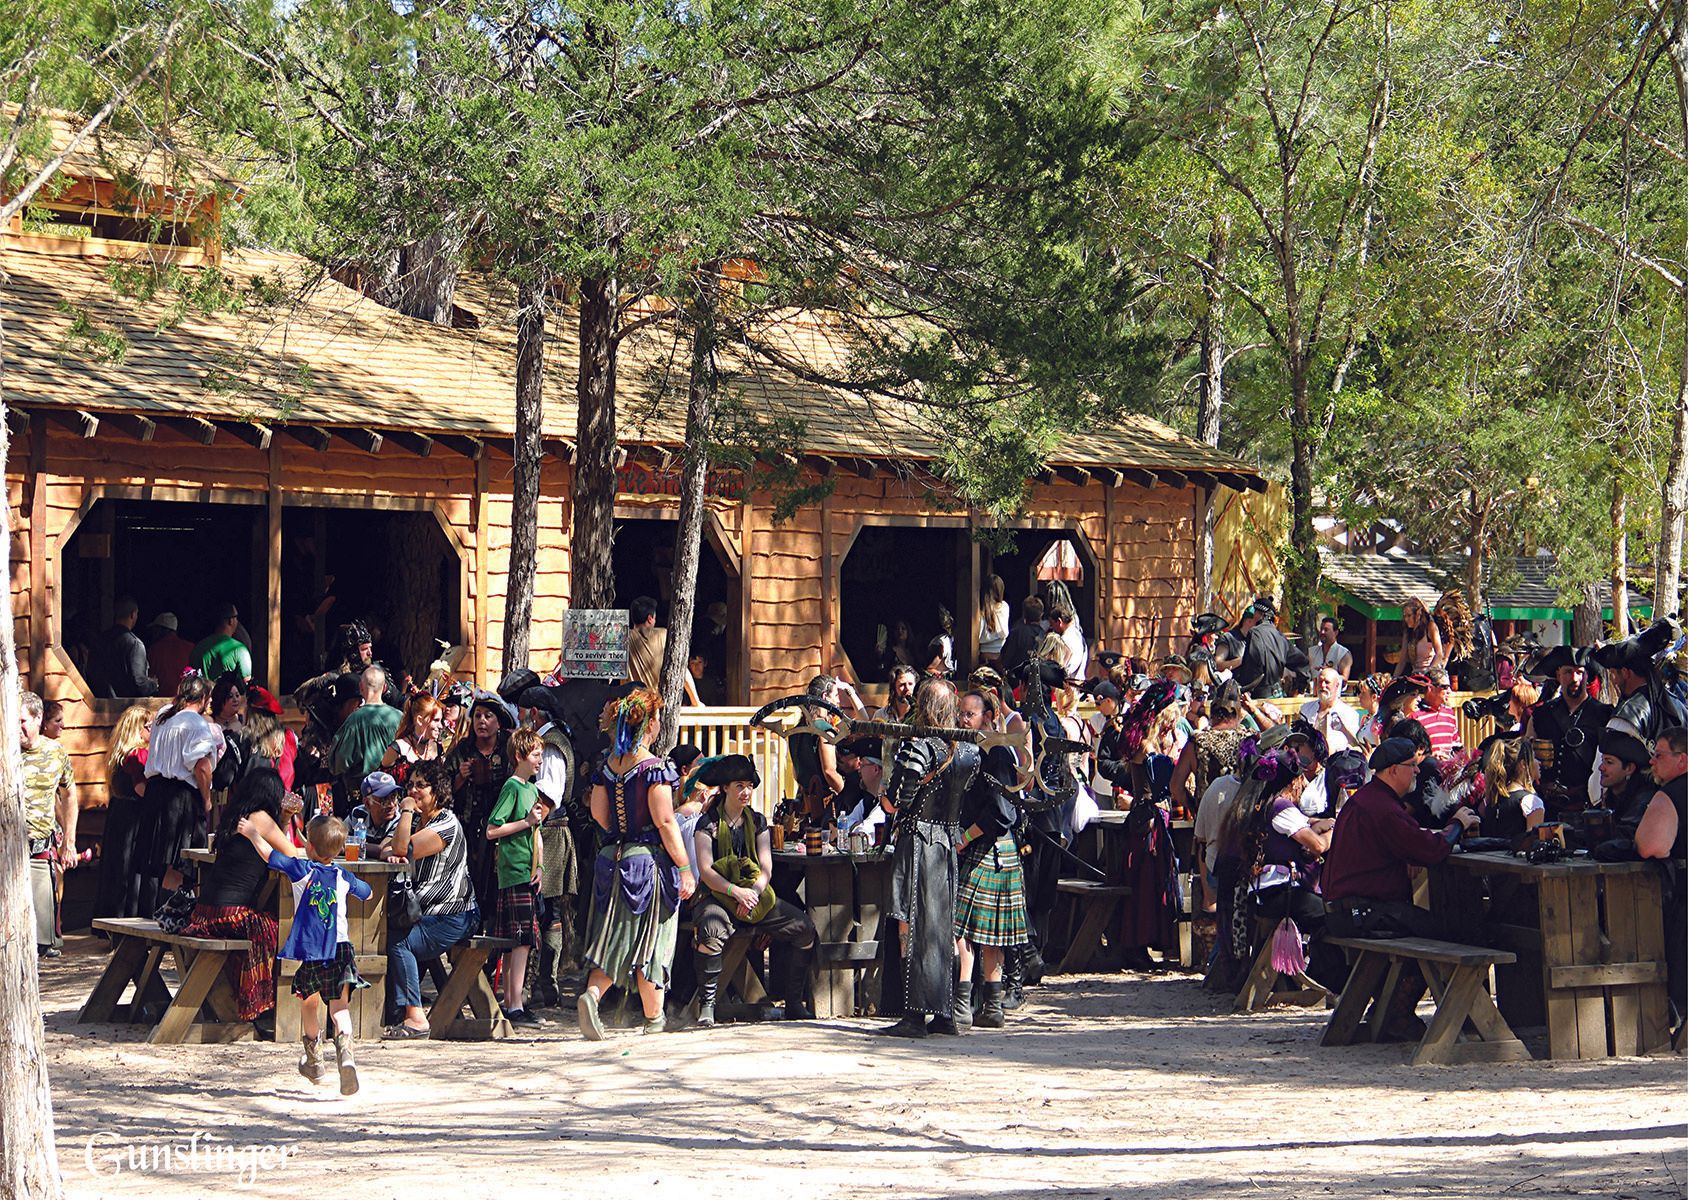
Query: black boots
x=1013, y=978
x=991, y=1015
x=796, y=983
x=708, y=983
x=542, y=992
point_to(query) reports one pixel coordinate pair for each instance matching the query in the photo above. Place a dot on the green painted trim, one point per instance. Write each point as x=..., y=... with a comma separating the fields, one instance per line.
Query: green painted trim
x=1365, y=608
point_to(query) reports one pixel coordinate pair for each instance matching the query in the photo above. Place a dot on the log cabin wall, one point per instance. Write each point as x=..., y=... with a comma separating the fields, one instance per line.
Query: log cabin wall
x=1142, y=538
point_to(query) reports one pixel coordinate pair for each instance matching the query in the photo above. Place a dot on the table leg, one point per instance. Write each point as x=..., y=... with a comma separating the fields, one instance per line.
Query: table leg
x=831, y=899
x=1357, y=993
x=1379, y=1015
x=1645, y=898
x=184, y=1009
x=1098, y=912
x=127, y=958
x=873, y=894
x=466, y=967
x=1557, y=918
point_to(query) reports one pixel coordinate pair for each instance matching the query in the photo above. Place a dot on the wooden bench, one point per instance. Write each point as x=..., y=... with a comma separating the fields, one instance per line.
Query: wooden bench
x=1260, y=990
x=1456, y=976
x=1097, y=902
x=138, y=949
x=468, y=984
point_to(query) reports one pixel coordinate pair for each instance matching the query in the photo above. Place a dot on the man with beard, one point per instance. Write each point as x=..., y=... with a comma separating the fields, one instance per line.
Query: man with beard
x=1566, y=731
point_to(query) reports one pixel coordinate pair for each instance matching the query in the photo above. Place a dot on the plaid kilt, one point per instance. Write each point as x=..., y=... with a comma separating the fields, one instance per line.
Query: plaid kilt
x=515, y=915
x=326, y=977
x=990, y=905
x=252, y=972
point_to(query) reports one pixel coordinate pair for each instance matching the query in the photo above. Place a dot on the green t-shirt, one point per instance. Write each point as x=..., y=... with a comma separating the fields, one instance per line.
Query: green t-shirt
x=216, y=656
x=515, y=853
x=364, y=738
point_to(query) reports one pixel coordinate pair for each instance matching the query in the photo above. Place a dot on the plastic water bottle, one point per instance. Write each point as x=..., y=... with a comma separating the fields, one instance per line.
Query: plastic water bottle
x=355, y=837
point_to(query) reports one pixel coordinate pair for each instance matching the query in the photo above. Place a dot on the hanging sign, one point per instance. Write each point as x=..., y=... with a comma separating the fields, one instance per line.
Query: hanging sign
x=594, y=644
x=636, y=478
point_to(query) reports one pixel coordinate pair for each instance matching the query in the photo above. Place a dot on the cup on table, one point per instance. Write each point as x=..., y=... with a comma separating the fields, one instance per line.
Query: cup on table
x=354, y=851
x=777, y=830
x=813, y=841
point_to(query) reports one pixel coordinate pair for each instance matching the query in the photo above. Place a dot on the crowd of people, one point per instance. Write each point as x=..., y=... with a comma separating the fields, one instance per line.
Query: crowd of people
x=1314, y=815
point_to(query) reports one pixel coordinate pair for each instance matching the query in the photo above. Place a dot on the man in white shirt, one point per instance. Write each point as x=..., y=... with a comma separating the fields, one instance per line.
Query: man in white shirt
x=1064, y=623
x=1332, y=716
x=1328, y=653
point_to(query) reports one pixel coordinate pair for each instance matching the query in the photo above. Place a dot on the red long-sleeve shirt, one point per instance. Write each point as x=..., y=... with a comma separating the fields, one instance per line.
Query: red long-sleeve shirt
x=1374, y=842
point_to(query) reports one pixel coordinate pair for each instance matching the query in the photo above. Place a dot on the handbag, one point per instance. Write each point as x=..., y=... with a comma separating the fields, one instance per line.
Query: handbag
x=175, y=914
x=741, y=870
x=404, y=909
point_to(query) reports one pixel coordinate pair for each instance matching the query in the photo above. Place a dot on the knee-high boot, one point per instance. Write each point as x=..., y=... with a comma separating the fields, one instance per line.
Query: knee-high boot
x=1013, y=977
x=708, y=984
x=796, y=984
x=545, y=994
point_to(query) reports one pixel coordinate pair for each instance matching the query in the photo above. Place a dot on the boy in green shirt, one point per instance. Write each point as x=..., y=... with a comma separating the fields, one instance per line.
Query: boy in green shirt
x=517, y=812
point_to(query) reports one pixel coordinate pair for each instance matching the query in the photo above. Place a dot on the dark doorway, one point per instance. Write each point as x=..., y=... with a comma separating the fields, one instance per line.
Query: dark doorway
x=395, y=571
x=1018, y=568
x=180, y=557
x=904, y=575
x=643, y=561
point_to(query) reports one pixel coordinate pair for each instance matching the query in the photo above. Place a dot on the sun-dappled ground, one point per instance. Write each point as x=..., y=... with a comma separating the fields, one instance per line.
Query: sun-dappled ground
x=1122, y=1086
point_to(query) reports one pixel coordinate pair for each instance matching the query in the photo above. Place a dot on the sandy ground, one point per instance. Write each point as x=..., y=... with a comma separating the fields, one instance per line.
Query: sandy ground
x=1121, y=1086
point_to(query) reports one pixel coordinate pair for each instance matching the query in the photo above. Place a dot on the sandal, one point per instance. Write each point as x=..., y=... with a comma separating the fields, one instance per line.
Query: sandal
x=403, y=1033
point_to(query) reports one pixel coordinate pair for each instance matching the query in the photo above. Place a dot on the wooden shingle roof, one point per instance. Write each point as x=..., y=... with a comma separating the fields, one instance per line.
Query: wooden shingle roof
x=330, y=358
x=1382, y=583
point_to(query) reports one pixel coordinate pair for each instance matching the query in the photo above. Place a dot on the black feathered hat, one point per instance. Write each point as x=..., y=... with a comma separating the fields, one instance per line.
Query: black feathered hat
x=1562, y=656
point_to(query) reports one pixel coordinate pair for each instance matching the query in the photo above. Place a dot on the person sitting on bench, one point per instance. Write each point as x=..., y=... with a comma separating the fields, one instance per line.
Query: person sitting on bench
x=1367, y=879
x=735, y=866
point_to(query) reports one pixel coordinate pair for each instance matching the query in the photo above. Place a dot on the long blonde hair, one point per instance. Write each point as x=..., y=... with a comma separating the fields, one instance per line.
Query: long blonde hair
x=132, y=731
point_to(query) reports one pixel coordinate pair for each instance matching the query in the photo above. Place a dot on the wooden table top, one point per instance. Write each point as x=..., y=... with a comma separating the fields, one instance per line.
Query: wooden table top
x=1497, y=863
x=361, y=866
x=788, y=855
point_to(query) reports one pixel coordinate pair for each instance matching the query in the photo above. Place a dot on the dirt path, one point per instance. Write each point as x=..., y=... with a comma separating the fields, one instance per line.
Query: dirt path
x=1120, y=1086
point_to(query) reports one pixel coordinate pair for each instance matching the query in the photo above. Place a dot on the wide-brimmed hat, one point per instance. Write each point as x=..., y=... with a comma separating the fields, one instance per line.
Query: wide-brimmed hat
x=729, y=768
x=1625, y=747
x=1562, y=656
x=1401, y=688
x=1638, y=651
x=1174, y=662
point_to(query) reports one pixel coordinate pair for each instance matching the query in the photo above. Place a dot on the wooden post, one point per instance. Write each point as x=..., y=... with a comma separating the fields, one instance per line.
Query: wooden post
x=829, y=593
x=478, y=502
x=1104, y=633
x=969, y=612
x=272, y=650
x=1371, y=646
x=747, y=583
x=39, y=633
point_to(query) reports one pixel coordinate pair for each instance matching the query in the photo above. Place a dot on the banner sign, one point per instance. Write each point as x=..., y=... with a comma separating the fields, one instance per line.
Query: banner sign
x=594, y=644
x=645, y=479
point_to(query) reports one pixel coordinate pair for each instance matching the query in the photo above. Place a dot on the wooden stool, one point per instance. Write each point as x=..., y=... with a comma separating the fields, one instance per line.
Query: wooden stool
x=1098, y=902
x=468, y=983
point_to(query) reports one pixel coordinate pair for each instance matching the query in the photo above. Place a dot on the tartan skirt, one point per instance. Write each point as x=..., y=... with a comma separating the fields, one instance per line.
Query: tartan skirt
x=252, y=972
x=990, y=905
x=515, y=915
x=326, y=977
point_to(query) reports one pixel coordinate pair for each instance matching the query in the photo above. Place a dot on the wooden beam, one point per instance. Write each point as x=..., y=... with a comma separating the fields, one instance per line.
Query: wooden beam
x=196, y=428
x=35, y=500
x=134, y=424
x=1117, y=478
x=822, y=465
x=77, y=421
x=17, y=421
x=316, y=438
x=367, y=440
x=1234, y=481
x=1176, y=478
x=419, y=444
x=253, y=434
x=1139, y=476
x=478, y=502
x=560, y=449
x=1203, y=479
x=272, y=644
x=862, y=468
x=1072, y=474
x=747, y=586
x=829, y=592
x=470, y=448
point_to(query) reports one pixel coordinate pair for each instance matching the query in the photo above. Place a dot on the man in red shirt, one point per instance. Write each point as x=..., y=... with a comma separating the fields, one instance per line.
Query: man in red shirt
x=1367, y=881
x=1439, y=720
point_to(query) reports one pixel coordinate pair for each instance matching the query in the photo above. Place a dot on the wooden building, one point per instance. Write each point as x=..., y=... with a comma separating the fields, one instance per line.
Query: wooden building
x=308, y=440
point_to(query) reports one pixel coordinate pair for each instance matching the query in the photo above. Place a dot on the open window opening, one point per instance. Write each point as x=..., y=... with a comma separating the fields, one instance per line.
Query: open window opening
x=899, y=588
x=643, y=558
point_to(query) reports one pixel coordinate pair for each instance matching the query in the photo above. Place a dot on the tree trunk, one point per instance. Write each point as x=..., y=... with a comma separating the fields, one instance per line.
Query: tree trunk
x=688, y=538
x=1667, y=573
x=1474, y=554
x=1302, y=578
x=1585, y=618
x=29, y=1165
x=524, y=481
x=1212, y=382
x=591, y=557
x=427, y=283
x=1620, y=555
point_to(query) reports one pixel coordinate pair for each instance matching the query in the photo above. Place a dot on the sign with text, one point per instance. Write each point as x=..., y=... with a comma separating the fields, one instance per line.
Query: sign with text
x=644, y=479
x=594, y=644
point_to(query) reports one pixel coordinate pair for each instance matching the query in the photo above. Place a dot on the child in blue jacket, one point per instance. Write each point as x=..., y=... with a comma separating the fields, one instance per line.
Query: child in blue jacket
x=319, y=943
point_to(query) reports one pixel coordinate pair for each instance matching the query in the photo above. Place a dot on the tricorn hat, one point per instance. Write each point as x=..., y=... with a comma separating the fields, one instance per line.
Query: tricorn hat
x=1638, y=652
x=1624, y=746
x=729, y=768
x=1562, y=656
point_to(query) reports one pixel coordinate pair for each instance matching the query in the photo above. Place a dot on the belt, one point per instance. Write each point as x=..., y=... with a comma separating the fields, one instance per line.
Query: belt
x=40, y=847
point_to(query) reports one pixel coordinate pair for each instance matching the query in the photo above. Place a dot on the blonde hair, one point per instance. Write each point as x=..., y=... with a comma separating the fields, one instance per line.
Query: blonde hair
x=1053, y=648
x=1506, y=766
x=1065, y=700
x=132, y=731
x=265, y=733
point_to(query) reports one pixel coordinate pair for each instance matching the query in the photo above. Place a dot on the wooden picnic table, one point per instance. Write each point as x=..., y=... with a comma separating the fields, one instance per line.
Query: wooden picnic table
x=846, y=896
x=1103, y=844
x=366, y=926
x=1589, y=940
